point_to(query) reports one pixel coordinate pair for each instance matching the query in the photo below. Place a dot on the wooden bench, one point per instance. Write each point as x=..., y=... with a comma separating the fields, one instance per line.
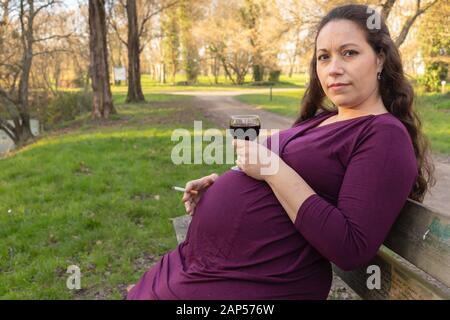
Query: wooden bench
x=414, y=261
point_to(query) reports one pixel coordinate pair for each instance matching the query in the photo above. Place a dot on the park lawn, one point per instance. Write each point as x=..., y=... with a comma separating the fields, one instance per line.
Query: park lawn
x=434, y=112
x=297, y=80
x=283, y=103
x=205, y=83
x=433, y=109
x=97, y=196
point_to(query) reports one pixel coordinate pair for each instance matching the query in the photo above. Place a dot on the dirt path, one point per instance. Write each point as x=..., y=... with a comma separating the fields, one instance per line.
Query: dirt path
x=219, y=105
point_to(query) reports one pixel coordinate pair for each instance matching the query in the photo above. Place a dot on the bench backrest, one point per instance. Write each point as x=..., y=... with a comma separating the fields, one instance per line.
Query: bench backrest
x=414, y=262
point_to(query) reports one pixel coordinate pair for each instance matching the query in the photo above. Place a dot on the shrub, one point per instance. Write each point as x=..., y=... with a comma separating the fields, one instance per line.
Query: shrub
x=274, y=75
x=435, y=73
x=66, y=106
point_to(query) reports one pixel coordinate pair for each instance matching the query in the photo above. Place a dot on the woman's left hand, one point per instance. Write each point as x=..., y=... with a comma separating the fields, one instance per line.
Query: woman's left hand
x=255, y=159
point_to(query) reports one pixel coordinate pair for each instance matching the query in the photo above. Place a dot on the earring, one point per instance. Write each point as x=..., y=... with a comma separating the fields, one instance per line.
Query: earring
x=379, y=75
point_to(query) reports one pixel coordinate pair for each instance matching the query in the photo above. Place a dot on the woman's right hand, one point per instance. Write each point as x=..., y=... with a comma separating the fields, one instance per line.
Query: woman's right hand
x=190, y=198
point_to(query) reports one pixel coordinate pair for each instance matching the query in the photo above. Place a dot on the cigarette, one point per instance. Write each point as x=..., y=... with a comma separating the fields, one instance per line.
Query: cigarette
x=184, y=190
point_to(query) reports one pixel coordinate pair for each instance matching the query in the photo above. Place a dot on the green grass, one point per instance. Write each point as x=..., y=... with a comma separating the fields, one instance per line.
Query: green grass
x=98, y=196
x=284, y=103
x=119, y=97
x=205, y=83
x=433, y=109
x=434, y=112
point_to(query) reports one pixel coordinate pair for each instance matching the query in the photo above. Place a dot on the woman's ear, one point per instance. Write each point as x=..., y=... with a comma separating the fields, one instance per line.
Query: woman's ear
x=381, y=57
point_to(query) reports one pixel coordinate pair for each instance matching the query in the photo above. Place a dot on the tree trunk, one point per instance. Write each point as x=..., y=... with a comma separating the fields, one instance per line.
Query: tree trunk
x=291, y=70
x=102, y=99
x=240, y=77
x=163, y=78
x=134, y=65
x=225, y=68
x=216, y=69
x=22, y=122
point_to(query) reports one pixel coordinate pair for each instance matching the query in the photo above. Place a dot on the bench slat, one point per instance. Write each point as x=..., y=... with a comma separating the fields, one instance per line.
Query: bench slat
x=422, y=237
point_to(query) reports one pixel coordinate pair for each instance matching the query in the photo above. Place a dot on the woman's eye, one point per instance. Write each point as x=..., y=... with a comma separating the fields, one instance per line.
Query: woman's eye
x=321, y=57
x=350, y=53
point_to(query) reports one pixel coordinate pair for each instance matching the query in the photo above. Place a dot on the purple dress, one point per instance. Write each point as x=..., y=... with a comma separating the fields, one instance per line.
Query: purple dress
x=241, y=243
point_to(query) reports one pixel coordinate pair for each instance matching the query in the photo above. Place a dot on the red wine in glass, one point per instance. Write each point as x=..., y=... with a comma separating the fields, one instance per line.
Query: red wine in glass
x=245, y=127
x=245, y=133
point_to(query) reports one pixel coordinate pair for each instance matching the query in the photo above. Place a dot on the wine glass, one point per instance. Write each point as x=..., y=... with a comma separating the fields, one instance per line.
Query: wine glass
x=245, y=127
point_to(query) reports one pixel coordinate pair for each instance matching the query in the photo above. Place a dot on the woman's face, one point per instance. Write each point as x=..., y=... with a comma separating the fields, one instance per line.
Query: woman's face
x=344, y=57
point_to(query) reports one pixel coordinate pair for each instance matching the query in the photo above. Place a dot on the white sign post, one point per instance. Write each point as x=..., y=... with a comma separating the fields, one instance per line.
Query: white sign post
x=120, y=74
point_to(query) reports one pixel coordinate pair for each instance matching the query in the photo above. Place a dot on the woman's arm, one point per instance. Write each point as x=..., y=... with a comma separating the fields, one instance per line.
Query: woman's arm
x=289, y=188
x=378, y=179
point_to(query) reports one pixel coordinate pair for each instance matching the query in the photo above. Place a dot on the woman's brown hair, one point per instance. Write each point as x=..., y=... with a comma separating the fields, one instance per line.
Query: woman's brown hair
x=396, y=91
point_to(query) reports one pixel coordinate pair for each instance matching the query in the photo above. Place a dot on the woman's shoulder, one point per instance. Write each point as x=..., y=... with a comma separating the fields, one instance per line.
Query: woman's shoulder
x=388, y=121
x=385, y=127
x=387, y=139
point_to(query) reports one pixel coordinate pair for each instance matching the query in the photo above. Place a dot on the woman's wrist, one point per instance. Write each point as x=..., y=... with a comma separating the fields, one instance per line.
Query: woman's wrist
x=271, y=178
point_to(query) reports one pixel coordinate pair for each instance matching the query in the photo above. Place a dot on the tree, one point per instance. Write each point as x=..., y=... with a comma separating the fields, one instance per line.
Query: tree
x=232, y=48
x=267, y=28
x=189, y=51
x=20, y=36
x=170, y=31
x=49, y=77
x=138, y=15
x=102, y=99
x=434, y=37
x=134, y=64
x=241, y=39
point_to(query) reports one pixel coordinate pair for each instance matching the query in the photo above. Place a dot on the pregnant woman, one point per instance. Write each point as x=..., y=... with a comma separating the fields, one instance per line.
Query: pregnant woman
x=344, y=175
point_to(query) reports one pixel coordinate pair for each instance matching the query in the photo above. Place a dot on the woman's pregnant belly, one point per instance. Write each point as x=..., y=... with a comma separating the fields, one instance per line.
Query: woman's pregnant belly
x=240, y=225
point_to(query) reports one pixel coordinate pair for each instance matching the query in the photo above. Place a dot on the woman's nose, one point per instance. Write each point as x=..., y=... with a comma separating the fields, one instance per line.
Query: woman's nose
x=335, y=67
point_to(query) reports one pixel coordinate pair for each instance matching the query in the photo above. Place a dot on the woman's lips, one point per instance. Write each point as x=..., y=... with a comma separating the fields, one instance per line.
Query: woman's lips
x=338, y=87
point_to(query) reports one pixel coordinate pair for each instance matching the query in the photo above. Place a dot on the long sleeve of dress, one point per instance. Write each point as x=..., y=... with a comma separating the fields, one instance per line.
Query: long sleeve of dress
x=378, y=179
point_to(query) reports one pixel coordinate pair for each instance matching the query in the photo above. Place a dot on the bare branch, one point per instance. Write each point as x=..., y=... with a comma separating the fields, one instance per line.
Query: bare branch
x=56, y=36
x=116, y=29
x=148, y=40
x=149, y=14
x=46, y=5
x=408, y=24
x=51, y=52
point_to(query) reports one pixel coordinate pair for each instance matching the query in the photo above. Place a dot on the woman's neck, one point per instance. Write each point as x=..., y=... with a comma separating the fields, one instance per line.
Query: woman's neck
x=372, y=105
